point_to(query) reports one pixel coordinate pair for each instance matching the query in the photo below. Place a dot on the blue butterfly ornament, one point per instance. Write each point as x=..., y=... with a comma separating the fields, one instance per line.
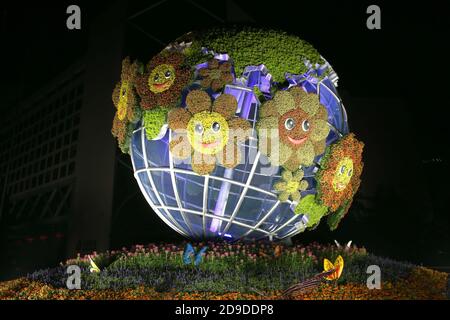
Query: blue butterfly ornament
x=190, y=255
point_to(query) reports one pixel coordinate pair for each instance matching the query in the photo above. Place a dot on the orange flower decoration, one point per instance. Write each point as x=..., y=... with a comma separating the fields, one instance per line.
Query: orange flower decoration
x=339, y=176
x=208, y=132
x=164, y=78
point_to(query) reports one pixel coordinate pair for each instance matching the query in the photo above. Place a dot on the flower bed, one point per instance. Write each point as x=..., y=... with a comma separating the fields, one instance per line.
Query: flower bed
x=237, y=271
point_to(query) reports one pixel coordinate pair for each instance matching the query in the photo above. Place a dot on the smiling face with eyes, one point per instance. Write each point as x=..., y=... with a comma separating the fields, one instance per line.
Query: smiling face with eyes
x=300, y=122
x=161, y=78
x=295, y=127
x=343, y=174
x=338, y=178
x=208, y=132
x=162, y=81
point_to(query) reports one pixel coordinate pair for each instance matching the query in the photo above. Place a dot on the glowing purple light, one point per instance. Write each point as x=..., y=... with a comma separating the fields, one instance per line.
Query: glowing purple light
x=221, y=203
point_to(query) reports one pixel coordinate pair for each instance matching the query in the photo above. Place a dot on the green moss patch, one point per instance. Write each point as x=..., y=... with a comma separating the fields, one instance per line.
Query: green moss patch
x=278, y=51
x=312, y=209
x=153, y=120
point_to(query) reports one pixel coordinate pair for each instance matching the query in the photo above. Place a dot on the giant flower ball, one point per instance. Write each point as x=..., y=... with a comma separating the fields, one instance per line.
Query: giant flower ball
x=238, y=134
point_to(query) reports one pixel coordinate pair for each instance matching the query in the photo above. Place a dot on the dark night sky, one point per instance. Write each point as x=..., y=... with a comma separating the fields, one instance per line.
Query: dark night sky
x=402, y=59
x=403, y=63
x=38, y=44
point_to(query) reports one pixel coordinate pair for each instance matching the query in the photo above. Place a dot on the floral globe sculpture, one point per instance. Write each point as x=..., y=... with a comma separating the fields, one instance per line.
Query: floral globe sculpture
x=238, y=134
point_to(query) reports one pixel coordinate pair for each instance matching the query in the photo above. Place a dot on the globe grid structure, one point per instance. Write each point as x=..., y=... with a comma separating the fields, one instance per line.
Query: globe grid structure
x=233, y=204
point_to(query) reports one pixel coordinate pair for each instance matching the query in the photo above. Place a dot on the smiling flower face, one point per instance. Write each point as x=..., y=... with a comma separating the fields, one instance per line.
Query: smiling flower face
x=301, y=124
x=343, y=174
x=126, y=102
x=209, y=133
x=163, y=80
x=338, y=178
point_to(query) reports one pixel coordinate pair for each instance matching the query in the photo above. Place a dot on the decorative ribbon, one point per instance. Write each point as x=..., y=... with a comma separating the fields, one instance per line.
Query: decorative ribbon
x=257, y=76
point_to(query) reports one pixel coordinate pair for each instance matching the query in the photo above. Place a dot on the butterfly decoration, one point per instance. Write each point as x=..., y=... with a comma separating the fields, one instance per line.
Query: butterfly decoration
x=347, y=247
x=307, y=285
x=338, y=266
x=331, y=272
x=94, y=267
x=189, y=254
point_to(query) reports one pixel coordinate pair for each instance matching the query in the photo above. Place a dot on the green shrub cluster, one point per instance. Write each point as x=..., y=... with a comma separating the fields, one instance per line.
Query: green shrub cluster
x=277, y=50
x=153, y=120
x=312, y=209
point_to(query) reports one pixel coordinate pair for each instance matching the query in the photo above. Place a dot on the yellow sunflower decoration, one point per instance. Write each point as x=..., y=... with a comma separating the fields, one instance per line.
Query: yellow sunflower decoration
x=126, y=102
x=208, y=132
x=338, y=178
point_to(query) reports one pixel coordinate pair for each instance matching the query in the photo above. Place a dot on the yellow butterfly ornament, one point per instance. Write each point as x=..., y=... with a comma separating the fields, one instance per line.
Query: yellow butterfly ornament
x=338, y=266
x=331, y=272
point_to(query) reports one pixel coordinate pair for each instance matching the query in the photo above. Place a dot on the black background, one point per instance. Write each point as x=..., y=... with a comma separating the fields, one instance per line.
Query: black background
x=393, y=81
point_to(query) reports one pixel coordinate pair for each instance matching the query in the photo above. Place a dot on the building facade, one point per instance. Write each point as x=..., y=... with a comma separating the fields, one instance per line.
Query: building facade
x=58, y=160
